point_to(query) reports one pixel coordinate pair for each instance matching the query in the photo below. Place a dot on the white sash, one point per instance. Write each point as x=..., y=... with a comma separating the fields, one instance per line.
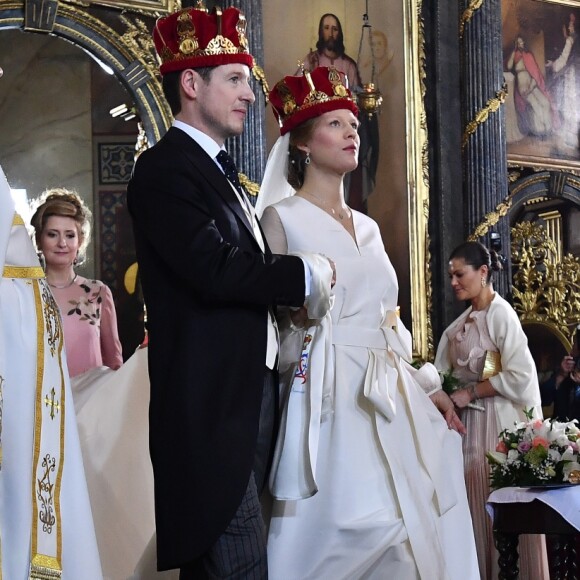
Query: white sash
x=48, y=457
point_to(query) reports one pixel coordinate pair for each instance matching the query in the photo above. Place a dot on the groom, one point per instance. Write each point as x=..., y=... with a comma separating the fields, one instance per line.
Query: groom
x=210, y=284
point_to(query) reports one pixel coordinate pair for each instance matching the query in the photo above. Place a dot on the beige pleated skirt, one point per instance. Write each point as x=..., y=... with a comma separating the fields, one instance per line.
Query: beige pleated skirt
x=482, y=432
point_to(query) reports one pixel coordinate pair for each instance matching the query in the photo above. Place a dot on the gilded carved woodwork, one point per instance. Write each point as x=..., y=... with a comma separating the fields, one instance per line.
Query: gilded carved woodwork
x=418, y=180
x=482, y=115
x=468, y=13
x=546, y=290
x=490, y=219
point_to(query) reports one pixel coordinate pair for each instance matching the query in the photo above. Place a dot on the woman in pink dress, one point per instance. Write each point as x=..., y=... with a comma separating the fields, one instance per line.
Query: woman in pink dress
x=62, y=228
x=487, y=350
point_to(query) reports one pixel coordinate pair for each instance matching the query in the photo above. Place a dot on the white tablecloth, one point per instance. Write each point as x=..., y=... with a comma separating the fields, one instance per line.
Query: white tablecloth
x=564, y=500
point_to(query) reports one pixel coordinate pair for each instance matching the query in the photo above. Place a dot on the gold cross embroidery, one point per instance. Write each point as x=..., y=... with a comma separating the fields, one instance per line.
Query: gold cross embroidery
x=53, y=404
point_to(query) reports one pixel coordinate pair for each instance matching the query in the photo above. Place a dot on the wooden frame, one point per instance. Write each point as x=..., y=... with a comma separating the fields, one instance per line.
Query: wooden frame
x=541, y=45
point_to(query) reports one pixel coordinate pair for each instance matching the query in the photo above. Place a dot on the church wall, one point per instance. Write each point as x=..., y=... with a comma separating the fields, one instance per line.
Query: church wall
x=45, y=116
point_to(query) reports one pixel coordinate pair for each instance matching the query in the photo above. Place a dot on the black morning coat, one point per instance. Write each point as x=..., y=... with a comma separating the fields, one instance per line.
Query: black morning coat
x=207, y=288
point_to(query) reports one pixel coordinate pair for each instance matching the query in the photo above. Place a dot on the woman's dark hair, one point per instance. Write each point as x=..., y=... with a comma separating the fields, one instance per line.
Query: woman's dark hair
x=170, y=85
x=297, y=157
x=476, y=254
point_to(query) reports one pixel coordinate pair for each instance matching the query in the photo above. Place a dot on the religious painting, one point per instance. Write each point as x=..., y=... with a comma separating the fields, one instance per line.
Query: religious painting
x=541, y=50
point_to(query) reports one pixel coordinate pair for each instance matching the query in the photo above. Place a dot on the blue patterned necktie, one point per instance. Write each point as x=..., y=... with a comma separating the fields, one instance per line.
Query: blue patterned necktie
x=231, y=172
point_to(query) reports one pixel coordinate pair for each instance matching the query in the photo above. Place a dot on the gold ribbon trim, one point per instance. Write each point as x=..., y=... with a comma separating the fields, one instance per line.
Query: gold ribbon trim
x=45, y=568
x=34, y=272
x=17, y=220
x=468, y=15
x=48, y=458
x=481, y=116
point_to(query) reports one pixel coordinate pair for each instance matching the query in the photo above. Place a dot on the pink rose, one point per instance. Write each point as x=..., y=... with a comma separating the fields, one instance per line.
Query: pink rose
x=537, y=424
x=501, y=447
x=540, y=441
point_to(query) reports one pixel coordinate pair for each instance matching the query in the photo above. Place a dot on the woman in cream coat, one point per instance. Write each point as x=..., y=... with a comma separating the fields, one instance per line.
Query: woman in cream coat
x=488, y=352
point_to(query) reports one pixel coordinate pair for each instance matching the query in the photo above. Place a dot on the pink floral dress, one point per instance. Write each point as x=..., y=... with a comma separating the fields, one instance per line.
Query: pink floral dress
x=90, y=325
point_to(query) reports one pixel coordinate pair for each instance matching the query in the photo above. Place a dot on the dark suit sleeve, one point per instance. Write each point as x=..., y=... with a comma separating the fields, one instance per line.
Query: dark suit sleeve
x=194, y=234
x=548, y=390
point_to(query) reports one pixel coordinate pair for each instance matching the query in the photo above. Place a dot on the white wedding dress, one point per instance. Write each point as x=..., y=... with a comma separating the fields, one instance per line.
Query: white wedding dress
x=391, y=499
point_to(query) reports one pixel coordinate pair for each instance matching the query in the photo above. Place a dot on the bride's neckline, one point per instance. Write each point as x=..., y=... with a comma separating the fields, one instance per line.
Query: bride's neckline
x=338, y=214
x=348, y=225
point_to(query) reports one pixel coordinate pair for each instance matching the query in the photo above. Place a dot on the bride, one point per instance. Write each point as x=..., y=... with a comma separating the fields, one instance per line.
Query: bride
x=367, y=478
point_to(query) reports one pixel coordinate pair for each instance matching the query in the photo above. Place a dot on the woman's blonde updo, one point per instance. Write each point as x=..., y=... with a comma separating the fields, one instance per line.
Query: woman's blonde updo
x=61, y=202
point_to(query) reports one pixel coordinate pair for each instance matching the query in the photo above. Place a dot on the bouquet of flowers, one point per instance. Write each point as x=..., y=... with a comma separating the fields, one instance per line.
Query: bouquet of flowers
x=536, y=452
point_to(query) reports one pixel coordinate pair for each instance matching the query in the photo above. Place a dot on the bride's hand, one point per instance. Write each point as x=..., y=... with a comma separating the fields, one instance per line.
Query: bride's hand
x=442, y=401
x=299, y=317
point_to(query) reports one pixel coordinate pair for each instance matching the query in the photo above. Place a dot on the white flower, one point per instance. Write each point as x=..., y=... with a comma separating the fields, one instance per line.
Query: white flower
x=569, y=467
x=568, y=455
x=557, y=433
x=513, y=455
x=496, y=457
x=555, y=455
x=562, y=441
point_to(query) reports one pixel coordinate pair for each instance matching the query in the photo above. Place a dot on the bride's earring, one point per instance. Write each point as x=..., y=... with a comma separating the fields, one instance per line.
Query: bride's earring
x=307, y=160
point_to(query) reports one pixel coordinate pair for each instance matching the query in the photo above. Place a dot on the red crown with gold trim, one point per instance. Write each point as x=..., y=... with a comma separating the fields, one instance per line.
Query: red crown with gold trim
x=194, y=38
x=295, y=99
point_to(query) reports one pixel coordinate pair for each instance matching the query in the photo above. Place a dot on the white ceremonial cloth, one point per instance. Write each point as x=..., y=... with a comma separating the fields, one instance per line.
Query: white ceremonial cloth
x=564, y=500
x=113, y=419
x=385, y=506
x=18, y=363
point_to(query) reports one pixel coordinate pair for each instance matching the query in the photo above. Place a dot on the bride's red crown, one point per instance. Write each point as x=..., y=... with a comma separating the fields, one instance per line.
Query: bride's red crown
x=295, y=99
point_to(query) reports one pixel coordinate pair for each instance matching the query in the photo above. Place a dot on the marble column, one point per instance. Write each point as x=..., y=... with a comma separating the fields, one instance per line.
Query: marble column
x=484, y=157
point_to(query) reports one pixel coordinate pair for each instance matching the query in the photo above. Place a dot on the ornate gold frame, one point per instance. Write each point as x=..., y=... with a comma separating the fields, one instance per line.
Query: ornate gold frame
x=141, y=6
x=541, y=163
x=417, y=180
